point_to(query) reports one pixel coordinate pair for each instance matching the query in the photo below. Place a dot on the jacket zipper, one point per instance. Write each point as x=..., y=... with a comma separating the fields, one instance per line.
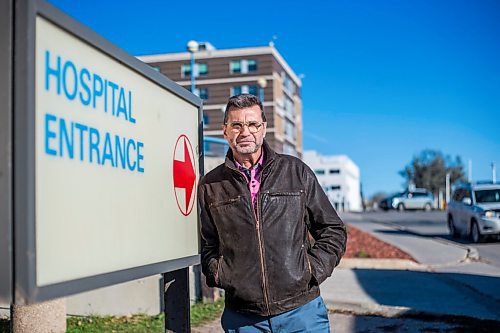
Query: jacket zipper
x=261, y=250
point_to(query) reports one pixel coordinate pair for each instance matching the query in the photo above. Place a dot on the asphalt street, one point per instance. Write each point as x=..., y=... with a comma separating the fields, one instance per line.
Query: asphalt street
x=433, y=224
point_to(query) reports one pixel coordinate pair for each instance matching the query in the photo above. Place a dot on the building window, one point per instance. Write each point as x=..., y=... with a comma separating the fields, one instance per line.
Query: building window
x=289, y=107
x=202, y=69
x=245, y=89
x=205, y=121
x=199, y=70
x=289, y=149
x=334, y=171
x=288, y=84
x=319, y=171
x=289, y=130
x=254, y=90
x=242, y=66
x=203, y=93
x=252, y=65
x=335, y=187
x=235, y=67
x=200, y=92
x=235, y=90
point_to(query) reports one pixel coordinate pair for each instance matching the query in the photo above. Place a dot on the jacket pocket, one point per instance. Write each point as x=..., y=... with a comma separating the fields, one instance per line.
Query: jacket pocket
x=285, y=193
x=216, y=204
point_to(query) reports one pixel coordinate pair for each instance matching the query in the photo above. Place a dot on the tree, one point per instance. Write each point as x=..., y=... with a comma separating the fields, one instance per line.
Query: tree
x=375, y=199
x=429, y=168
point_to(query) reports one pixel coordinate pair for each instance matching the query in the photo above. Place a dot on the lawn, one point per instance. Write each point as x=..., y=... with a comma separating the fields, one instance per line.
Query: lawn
x=200, y=313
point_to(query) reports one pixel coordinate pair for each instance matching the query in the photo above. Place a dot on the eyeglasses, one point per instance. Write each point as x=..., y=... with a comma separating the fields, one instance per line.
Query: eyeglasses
x=237, y=126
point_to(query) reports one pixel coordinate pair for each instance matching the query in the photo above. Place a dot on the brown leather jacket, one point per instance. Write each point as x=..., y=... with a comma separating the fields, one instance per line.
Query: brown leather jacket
x=263, y=257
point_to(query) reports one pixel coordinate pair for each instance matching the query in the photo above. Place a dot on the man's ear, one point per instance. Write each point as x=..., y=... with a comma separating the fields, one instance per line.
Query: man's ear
x=224, y=129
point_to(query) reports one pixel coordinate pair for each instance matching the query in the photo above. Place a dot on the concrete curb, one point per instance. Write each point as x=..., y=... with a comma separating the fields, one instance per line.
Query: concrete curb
x=399, y=264
x=367, y=309
x=472, y=253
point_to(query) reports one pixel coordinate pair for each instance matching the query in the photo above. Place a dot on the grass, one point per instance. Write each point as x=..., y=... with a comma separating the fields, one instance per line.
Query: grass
x=362, y=254
x=204, y=312
x=200, y=314
x=4, y=325
x=130, y=324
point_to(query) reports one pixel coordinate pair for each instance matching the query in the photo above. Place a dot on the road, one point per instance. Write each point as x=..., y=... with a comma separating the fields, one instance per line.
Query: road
x=433, y=224
x=445, y=293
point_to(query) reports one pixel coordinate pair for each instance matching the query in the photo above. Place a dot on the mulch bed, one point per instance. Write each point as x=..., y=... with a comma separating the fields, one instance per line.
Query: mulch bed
x=363, y=245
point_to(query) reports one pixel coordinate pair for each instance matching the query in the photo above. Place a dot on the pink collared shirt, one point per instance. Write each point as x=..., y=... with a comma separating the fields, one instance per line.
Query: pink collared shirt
x=253, y=176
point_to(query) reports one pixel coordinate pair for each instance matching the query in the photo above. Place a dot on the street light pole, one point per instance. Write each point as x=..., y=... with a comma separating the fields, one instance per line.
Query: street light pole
x=447, y=188
x=262, y=85
x=469, y=177
x=192, y=47
x=493, y=173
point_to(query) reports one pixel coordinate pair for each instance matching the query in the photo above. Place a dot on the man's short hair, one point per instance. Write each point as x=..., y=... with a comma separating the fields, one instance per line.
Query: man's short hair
x=243, y=101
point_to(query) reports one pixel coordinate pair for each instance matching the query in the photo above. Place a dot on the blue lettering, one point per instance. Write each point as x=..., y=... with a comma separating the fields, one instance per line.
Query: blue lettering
x=88, y=87
x=120, y=150
x=102, y=146
x=106, y=96
x=122, y=108
x=130, y=117
x=96, y=88
x=85, y=86
x=94, y=144
x=140, y=156
x=130, y=166
x=69, y=64
x=82, y=128
x=49, y=134
x=64, y=137
x=51, y=71
x=108, y=152
x=113, y=86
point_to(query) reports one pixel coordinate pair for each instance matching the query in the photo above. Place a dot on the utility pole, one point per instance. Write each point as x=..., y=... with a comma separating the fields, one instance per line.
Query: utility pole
x=493, y=172
x=469, y=178
x=447, y=188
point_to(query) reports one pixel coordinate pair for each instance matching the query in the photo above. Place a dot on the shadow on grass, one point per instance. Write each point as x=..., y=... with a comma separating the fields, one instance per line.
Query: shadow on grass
x=4, y=326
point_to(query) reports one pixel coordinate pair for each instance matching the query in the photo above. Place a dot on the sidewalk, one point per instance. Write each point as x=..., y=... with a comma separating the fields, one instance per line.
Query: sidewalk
x=447, y=281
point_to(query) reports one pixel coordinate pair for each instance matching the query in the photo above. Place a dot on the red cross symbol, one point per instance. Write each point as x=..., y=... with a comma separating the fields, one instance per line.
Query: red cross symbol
x=184, y=175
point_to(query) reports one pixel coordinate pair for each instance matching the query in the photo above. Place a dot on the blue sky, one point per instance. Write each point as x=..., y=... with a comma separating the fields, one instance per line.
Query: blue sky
x=383, y=80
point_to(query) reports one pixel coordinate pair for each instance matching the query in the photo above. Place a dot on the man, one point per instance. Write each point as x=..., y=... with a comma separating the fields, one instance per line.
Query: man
x=257, y=210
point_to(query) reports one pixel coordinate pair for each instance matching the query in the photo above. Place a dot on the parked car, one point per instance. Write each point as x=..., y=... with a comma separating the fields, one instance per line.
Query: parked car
x=474, y=211
x=418, y=198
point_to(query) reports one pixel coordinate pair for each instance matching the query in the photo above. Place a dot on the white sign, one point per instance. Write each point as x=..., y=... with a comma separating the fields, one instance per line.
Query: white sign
x=116, y=164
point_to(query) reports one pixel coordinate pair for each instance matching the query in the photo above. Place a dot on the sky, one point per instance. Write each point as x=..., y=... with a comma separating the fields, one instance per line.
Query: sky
x=382, y=80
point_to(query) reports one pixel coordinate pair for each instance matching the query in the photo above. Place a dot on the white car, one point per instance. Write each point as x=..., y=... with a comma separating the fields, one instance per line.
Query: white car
x=418, y=198
x=474, y=211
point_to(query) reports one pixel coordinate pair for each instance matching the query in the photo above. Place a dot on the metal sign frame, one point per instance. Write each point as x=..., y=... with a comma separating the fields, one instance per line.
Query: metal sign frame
x=26, y=290
x=6, y=52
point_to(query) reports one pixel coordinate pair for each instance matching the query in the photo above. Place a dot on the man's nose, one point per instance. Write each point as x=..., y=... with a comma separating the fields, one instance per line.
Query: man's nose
x=245, y=131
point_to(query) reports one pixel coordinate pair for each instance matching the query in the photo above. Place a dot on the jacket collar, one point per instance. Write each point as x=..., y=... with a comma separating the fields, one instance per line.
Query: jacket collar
x=269, y=156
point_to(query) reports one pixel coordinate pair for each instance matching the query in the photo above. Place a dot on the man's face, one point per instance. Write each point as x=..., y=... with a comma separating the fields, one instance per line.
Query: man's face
x=244, y=142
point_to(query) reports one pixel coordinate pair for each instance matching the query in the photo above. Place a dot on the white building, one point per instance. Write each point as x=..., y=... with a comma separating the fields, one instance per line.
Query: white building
x=340, y=179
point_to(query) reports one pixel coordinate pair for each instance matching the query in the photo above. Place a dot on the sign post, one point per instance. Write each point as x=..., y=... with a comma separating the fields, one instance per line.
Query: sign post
x=177, y=303
x=6, y=51
x=107, y=154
